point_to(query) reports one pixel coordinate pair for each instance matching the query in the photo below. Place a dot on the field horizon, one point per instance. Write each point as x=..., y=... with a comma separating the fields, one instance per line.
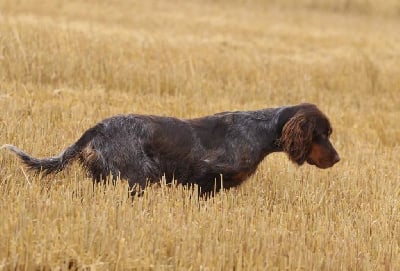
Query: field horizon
x=66, y=65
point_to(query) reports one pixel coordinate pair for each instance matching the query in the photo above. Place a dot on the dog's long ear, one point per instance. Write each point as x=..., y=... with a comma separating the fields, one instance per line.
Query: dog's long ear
x=297, y=136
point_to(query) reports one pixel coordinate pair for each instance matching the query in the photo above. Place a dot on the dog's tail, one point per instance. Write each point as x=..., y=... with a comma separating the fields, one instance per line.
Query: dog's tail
x=56, y=163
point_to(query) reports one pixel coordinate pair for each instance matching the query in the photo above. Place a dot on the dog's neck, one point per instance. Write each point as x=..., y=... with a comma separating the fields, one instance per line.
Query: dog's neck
x=280, y=116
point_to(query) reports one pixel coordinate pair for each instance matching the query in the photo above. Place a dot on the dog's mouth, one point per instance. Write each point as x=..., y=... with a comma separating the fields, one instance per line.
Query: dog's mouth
x=323, y=164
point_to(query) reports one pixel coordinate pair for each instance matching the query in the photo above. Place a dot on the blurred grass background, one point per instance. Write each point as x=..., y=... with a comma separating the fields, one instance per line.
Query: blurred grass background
x=65, y=65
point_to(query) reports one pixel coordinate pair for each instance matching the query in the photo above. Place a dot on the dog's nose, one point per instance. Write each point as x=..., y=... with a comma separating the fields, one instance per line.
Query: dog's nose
x=336, y=158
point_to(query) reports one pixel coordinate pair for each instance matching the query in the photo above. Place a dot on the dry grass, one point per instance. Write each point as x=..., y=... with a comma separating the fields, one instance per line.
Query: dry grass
x=64, y=65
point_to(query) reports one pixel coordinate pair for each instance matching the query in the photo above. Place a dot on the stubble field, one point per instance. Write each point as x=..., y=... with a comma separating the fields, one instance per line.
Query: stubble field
x=65, y=65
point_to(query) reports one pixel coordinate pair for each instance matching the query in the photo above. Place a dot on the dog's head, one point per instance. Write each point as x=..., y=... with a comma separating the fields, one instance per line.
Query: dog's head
x=305, y=137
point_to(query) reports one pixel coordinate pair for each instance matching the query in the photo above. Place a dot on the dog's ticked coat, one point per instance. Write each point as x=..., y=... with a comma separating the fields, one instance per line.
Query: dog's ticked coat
x=200, y=151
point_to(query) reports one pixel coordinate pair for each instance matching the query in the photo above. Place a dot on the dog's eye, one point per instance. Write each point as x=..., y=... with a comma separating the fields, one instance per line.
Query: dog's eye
x=320, y=136
x=317, y=137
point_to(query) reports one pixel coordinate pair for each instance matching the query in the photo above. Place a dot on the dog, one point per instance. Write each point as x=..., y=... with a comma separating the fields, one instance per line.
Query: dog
x=214, y=152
